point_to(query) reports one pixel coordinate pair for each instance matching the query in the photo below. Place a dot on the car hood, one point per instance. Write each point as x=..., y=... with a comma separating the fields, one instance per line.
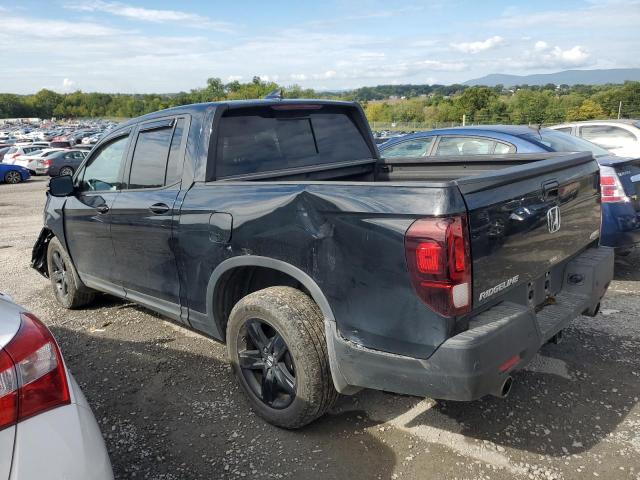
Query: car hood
x=9, y=319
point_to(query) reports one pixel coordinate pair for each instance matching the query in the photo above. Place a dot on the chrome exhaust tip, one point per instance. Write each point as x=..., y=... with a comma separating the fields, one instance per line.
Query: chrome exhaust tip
x=505, y=388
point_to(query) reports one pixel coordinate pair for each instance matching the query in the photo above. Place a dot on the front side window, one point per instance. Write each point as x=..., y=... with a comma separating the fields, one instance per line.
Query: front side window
x=564, y=130
x=418, y=147
x=607, y=136
x=104, y=170
x=464, y=146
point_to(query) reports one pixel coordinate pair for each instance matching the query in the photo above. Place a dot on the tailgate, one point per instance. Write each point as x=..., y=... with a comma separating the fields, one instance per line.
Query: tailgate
x=523, y=220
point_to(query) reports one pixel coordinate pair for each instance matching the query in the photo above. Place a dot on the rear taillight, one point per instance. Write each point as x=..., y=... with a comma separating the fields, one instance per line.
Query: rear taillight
x=32, y=375
x=46, y=163
x=611, y=190
x=438, y=259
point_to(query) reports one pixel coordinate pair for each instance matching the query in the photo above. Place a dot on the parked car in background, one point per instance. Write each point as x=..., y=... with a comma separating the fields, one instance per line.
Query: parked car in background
x=17, y=151
x=13, y=173
x=620, y=137
x=3, y=150
x=61, y=144
x=65, y=162
x=32, y=160
x=47, y=429
x=620, y=177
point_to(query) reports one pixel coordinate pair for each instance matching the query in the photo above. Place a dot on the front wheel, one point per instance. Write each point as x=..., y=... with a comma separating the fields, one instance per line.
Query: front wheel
x=66, y=171
x=63, y=279
x=278, y=352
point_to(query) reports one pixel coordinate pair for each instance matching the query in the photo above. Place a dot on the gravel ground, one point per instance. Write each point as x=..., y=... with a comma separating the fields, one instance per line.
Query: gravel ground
x=169, y=408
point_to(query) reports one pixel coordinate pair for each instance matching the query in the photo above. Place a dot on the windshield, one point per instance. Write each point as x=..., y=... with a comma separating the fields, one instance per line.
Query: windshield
x=563, y=142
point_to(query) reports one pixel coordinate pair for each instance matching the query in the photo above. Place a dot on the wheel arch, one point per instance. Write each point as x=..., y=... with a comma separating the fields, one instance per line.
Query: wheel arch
x=227, y=266
x=308, y=284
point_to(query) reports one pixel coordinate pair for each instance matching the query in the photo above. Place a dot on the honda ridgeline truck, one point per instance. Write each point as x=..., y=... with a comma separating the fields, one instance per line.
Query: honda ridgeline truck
x=275, y=226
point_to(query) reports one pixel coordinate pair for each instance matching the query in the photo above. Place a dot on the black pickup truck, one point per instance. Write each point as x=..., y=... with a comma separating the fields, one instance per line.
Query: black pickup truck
x=275, y=226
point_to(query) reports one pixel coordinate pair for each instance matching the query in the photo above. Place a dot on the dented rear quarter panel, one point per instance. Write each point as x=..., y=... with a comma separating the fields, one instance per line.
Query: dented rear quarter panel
x=348, y=237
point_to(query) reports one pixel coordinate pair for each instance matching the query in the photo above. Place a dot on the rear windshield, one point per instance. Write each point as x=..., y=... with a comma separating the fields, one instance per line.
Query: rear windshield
x=265, y=139
x=563, y=142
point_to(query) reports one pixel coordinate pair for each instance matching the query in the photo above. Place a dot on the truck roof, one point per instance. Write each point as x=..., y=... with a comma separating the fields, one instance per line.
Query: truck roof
x=200, y=107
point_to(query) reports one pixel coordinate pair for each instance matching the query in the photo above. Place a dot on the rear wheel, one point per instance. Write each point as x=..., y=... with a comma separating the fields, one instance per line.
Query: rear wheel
x=66, y=171
x=278, y=352
x=63, y=279
x=13, y=177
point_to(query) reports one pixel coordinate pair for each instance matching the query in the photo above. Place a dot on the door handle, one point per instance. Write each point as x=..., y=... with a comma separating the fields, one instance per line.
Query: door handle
x=550, y=190
x=159, y=208
x=104, y=208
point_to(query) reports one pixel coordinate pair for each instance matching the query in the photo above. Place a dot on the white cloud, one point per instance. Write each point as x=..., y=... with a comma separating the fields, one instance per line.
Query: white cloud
x=234, y=78
x=67, y=84
x=540, y=46
x=477, y=47
x=545, y=56
x=151, y=14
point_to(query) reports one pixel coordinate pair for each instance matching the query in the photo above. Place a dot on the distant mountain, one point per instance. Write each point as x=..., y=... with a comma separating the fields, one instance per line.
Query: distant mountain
x=568, y=77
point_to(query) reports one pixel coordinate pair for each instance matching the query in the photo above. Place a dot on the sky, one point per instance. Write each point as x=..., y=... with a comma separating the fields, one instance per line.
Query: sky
x=141, y=46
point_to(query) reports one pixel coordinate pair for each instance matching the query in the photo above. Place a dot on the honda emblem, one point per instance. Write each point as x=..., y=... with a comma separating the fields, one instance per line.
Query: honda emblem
x=553, y=219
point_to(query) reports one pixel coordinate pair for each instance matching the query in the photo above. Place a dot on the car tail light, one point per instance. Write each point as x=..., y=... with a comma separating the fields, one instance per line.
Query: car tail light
x=46, y=163
x=32, y=375
x=611, y=190
x=439, y=263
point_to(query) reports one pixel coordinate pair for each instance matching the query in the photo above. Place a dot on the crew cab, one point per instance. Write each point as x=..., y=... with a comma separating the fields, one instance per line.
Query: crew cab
x=274, y=226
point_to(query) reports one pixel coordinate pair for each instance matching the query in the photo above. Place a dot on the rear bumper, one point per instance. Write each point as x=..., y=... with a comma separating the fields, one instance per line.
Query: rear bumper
x=620, y=225
x=63, y=443
x=468, y=365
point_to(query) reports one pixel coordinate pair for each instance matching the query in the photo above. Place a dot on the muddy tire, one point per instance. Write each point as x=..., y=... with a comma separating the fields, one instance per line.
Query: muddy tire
x=63, y=278
x=278, y=352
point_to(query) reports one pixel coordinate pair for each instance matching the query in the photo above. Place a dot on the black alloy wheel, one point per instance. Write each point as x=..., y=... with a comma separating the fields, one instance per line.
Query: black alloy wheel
x=267, y=364
x=60, y=274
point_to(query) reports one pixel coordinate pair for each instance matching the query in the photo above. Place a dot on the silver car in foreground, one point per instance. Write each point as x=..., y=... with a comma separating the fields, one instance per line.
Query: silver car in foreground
x=47, y=429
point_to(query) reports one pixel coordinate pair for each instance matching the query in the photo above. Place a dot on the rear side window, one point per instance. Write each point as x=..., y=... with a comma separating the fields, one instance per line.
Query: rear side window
x=607, y=136
x=262, y=140
x=503, y=148
x=174, y=165
x=464, y=146
x=564, y=130
x=150, y=158
x=418, y=147
x=156, y=158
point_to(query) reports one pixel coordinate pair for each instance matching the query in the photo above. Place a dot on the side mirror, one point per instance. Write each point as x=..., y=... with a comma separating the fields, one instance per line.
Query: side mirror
x=61, y=186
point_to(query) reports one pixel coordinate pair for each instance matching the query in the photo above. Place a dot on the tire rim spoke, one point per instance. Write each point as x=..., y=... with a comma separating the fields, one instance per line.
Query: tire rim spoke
x=269, y=387
x=257, y=335
x=284, y=379
x=251, y=359
x=277, y=346
x=58, y=261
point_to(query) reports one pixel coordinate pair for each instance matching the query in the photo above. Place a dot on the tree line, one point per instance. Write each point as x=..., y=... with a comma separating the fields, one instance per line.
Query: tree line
x=519, y=105
x=424, y=104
